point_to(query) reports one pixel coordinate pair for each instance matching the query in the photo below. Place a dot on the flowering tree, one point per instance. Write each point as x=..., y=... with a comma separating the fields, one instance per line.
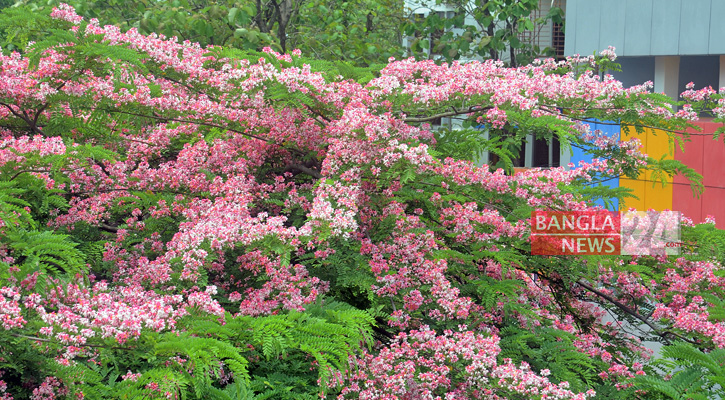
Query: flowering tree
x=187, y=222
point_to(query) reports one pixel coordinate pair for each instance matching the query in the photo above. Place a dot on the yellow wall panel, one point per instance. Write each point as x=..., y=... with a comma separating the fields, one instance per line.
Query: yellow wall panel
x=658, y=145
x=655, y=143
x=657, y=197
x=638, y=189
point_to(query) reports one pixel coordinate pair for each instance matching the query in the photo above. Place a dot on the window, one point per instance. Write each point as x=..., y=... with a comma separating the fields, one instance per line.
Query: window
x=547, y=154
x=557, y=40
x=435, y=36
x=534, y=153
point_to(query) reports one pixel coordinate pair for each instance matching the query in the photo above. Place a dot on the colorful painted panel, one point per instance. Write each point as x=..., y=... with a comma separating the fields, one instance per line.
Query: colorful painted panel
x=651, y=193
x=578, y=155
x=707, y=157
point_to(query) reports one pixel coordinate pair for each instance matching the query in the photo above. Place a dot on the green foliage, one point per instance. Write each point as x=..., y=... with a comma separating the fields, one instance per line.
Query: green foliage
x=18, y=26
x=552, y=349
x=664, y=169
x=685, y=372
x=329, y=333
x=271, y=357
x=266, y=357
x=35, y=250
x=704, y=242
x=348, y=274
x=284, y=355
x=44, y=251
x=13, y=210
x=361, y=32
x=496, y=34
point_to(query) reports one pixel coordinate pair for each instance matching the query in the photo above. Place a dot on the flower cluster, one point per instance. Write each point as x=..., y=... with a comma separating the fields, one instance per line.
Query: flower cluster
x=422, y=365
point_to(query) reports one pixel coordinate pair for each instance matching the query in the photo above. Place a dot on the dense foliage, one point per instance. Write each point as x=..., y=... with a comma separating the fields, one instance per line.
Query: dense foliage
x=360, y=32
x=481, y=29
x=188, y=222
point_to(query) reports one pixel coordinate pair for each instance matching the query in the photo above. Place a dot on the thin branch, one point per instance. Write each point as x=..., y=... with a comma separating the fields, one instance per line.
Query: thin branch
x=202, y=123
x=40, y=111
x=632, y=313
x=129, y=190
x=40, y=171
x=108, y=228
x=31, y=123
x=24, y=117
x=317, y=113
x=38, y=339
x=619, y=304
x=455, y=112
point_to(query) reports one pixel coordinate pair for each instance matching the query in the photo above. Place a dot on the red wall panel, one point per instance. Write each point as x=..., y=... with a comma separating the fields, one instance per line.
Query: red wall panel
x=707, y=157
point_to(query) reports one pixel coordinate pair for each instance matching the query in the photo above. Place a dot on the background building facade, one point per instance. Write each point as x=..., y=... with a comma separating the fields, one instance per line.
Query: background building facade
x=671, y=43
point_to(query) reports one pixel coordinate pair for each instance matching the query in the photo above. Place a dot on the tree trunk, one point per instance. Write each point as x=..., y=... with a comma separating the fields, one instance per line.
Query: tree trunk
x=490, y=30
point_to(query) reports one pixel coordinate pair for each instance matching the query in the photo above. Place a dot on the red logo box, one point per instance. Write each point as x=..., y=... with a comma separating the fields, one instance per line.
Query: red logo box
x=575, y=233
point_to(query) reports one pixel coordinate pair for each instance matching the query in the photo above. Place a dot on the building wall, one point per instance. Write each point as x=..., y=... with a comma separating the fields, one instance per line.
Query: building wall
x=645, y=27
x=701, y=153
x=705, y=155
x=672, y=43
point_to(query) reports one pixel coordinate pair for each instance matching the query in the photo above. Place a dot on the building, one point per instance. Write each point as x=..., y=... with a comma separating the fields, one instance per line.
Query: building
x=671, y=43
x=668, y=42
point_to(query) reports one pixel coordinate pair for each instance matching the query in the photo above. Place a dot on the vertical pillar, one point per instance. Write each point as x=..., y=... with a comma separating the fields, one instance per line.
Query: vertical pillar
x=483, y=156
x=721, y=82
x=551, y=151
x=565, y=156
x=667, y=75
x=529, y=153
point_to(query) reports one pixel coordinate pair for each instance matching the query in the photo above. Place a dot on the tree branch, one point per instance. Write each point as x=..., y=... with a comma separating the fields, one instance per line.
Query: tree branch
x=455, y=112
x=202, y=123
x=24, y=116
x=633, y=313
x=38, y=339
x=108, y=228
x=306, y=170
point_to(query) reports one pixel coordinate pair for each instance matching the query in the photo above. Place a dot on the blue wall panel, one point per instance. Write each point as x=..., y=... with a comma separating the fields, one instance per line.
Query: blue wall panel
x=570, y=28
x=646, y=27
x=579, y=155
x=717, y=28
